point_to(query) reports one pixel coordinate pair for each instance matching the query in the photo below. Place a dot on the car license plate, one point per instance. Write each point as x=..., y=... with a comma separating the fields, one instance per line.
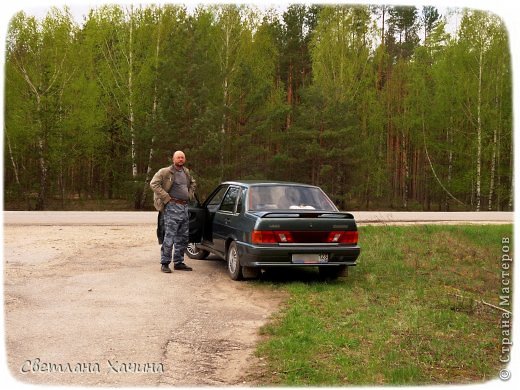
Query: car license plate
x=310, y=258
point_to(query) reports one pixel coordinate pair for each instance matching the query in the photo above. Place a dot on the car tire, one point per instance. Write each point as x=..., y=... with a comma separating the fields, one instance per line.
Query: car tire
x=333, y=273
x=195, y=253
x=233, y=262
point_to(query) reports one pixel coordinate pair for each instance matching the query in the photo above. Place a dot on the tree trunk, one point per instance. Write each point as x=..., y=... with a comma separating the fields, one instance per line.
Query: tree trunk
x=496, y=144
x=406, y=173
x=225, y=95
x=223, y=127
x=131, y=119
x=499, y=138
x=42, y=163
x=148, y=175
x=61, y=175
x=492, y=173
x=380, y=165
x=154, y=120
x=40, y=205
x=13, y=162
x=289, y=95
x=380, y=65
x=61, y=170
x=449, y=139
x=479, y=131
x=131, y=97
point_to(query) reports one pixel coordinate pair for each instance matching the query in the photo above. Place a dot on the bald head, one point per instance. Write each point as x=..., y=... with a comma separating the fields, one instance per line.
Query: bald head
x=178, y=159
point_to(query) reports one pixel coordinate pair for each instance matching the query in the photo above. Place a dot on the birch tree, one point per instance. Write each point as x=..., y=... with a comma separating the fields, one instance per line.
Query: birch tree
x=119, y=66
x=158, y=34
x=500, y=120
x=229, y=41
x=476, y=37
x=39, y=54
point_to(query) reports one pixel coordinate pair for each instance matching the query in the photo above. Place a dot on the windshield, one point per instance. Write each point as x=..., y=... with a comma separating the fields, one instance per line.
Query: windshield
x=288, y=197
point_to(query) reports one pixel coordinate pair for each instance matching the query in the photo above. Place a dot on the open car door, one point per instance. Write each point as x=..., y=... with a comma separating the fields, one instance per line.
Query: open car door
x=160, y=227
x=197, y=219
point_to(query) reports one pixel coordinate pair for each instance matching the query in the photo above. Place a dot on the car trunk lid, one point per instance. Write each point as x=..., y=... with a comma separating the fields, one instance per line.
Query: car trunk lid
x=305, y=227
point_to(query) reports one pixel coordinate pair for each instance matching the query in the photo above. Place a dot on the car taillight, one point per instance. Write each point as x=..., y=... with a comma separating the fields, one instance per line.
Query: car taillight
x=270, y=237
x=283, y=236
x=343, y=237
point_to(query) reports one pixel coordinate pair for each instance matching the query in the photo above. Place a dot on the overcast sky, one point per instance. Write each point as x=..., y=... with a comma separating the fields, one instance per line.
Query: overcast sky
x=505, y=8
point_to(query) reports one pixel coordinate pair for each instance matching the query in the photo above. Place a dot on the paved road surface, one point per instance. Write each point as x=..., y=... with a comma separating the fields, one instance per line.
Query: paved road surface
x=148, y=217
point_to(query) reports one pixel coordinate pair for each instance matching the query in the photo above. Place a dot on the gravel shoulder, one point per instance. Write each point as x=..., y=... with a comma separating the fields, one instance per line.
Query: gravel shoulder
x=93, y=299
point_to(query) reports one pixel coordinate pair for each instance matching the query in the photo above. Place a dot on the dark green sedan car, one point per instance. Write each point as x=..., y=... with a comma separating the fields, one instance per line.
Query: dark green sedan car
x=255, y=225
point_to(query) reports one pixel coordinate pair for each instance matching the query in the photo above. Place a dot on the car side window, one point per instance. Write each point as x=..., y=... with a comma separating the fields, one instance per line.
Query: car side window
x=230, y=199
x=216, y=199
x=240, y=203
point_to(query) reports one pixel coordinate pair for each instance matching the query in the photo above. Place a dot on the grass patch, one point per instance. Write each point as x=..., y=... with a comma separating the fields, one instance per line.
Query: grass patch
x=405, y=315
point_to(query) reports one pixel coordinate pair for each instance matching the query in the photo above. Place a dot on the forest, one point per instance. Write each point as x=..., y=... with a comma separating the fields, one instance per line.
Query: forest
x=383, y=107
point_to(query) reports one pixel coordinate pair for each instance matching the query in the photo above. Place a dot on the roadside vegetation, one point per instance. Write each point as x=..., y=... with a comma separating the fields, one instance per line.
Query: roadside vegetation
x=404, y=112
x=409, y=313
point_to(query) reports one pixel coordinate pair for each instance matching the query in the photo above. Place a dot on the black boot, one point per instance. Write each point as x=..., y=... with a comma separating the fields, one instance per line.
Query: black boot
x=166, y=269
x=182, y=267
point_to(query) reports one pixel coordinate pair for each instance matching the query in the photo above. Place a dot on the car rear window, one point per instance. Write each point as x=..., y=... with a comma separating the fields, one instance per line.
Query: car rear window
x=287, y=197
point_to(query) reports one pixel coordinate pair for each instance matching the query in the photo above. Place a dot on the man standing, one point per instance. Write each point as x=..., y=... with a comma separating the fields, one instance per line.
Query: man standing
x=172, y=188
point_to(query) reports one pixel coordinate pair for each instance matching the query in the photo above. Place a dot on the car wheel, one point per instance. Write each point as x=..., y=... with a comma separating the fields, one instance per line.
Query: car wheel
x=233, y=261
x=333, y=273
x=195, y=253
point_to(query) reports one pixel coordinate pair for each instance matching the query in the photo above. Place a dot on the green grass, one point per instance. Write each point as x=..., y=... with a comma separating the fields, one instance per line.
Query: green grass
x=405, y=315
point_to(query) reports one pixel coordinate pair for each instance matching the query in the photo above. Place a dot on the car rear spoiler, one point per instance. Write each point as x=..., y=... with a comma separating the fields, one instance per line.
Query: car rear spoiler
x=303, y=214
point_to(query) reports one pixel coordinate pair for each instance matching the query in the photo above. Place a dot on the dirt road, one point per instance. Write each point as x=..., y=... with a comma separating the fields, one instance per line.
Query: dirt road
x=92, y=300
